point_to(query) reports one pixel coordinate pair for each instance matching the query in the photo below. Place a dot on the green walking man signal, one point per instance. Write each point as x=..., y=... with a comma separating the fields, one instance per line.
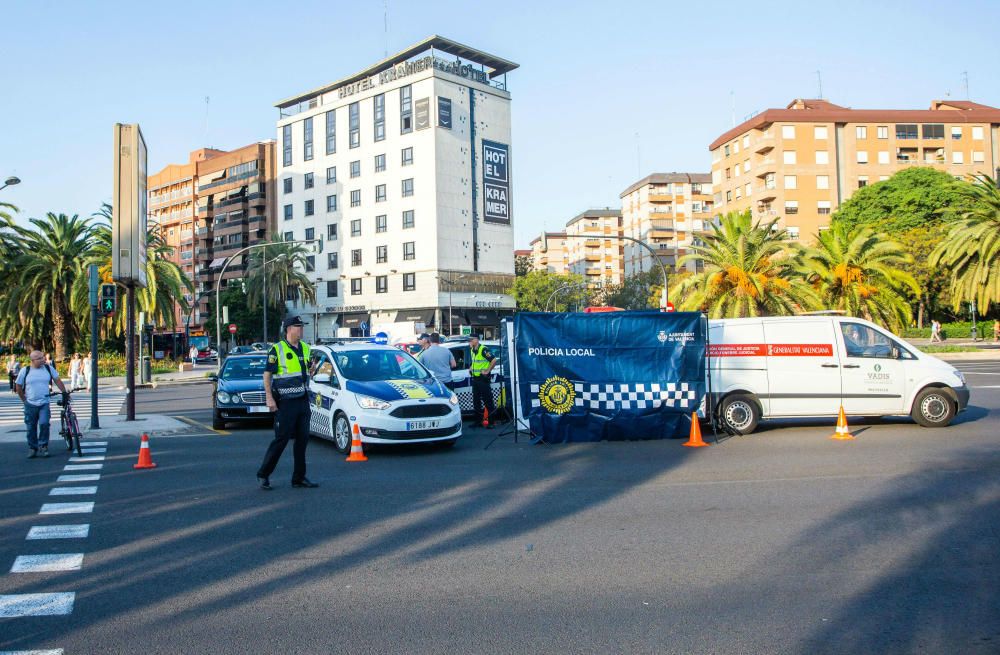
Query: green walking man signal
x=109, y=299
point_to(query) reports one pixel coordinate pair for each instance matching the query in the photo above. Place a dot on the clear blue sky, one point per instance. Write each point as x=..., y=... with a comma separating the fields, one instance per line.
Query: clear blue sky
x=593, y=76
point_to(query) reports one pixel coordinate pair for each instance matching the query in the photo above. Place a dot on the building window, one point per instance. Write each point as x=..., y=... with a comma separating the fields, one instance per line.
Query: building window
x=310, y=263
x=956, y=132
x=408, y=221
x=288, y=212
x=747, y=188
x=409, y=281
x=409, y=250
x=729, y=196
x=356, y=286
x=822, y=157
x=379, y=106
x=289, y=236
x=379, y=193
x=307, y=138
x=729, y=173
x=725, y=150
x=862, y=181
x=788, y=156
x=746, y=141
x=381, y=284
x=309, y=181
x=906, y=131
x=286, y=145
x=381, y=225
x=958, y=157
x=822, y=181
x=356, y=257
x=331, y=132
x=356, y=168
x=354, y=124
x=332, y=260
x=883, y=131
x=381, y=254
x=379, y=163
x=406, y=109
x=932, y=130
x=408, y=187
x=978, y=157
x=331, y=175
x=977, y=132
x=310, y=233
x=331, y=289
x=883, y=156
x=286, y=185
x=331, y=232
x=787, y=131
x=861, y=132
x=356, y=198
x=791, y=206
x=746, y=169
x=823, y=207
x=356, y=227
x=331, y=203
x=791, y=182
x=793, y=232
x=310, y=207
x=407, y=156
x=819, y=132
x=862, y=156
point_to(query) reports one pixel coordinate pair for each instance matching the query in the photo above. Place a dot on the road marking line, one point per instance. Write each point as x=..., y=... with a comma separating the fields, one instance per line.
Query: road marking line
x=79, y=531
x=83, y=477
x=47, y=563
x=16, y=605
x=73, y=491
x=987, y=386
x=50, y=651
x=979, y=373
x=93, y=451
x=82, y=460
x=83, y=467
x=67, y=508
x=93, y=443
x=191, y=421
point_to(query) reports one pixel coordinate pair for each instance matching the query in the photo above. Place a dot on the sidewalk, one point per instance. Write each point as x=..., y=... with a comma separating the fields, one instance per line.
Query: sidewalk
x=197, y=376
x=156, y=425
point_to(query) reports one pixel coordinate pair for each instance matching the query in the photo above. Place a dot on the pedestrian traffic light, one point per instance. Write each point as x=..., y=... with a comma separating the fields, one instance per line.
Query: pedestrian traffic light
x=109, y=299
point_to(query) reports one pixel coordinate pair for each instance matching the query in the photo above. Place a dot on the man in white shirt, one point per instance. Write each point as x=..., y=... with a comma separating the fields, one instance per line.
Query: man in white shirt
x=193, y=354
x=32, y=387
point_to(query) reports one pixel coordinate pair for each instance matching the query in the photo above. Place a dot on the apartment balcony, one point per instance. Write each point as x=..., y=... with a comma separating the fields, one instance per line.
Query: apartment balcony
x=766, y=167
x=592, y=257
x=661, y=234
x=592, y=243
x=661, y=210
x=662, y=224
x=595, y=271
x=767, y=193
x=661, y=197
x=764, y=144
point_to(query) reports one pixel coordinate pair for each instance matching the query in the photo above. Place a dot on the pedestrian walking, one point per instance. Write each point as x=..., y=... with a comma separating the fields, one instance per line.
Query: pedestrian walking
x=286, y=377
x=438, y=360
x=33, y=384
x=935, y=332
x=88, y=363
x=76, y=372
x=480, y=369
x=193, y=355
x=12, y=368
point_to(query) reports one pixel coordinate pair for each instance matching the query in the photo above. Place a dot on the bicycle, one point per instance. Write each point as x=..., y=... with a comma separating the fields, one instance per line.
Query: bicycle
x=69, y=426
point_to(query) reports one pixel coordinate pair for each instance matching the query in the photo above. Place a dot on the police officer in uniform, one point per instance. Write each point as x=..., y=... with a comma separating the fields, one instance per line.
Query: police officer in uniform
x=482, y=365
x=288, y=370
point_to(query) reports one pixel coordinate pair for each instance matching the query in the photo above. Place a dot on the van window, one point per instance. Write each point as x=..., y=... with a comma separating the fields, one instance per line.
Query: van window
x=864, y=341
x=462, y=355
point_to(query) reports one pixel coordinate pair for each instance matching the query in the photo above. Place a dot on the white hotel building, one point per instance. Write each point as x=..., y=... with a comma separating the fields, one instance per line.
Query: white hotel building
x=403, y=169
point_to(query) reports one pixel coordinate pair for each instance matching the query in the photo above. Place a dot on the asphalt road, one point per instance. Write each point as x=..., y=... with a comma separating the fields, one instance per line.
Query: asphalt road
x=780, y=542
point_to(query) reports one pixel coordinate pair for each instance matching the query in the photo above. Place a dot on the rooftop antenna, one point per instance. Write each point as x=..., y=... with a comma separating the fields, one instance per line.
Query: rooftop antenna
x=965, y=82
x=819, y=83
x=207, y=100
x=385, y=20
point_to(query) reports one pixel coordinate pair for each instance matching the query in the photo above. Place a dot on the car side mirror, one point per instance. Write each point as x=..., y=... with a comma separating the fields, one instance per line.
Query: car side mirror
x=322, y=378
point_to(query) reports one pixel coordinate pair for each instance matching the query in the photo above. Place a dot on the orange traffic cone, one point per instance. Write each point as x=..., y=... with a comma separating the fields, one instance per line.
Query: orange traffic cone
x=842, y=433
x=694, y=440
x=145, y=459
x=357, y=453
x=486, y=417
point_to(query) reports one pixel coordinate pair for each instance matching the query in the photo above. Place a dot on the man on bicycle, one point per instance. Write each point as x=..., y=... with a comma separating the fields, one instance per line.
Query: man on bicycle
x=32, y=387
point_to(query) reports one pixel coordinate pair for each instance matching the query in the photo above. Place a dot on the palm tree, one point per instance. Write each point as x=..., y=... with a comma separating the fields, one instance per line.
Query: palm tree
x=749, y=271
x=858, y=271
x=47, y=261
x=286, y=266
x=970, y=250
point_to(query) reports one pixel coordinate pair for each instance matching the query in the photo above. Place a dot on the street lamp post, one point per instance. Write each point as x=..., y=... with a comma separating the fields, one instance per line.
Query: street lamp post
x=568, y=285
x=451, y=285
x=10, y=181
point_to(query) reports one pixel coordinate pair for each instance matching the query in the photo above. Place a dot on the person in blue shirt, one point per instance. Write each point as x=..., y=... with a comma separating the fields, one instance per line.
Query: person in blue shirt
x=32, y=386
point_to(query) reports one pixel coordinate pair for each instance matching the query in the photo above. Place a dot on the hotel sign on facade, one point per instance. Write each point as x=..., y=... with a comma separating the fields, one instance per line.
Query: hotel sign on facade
x=404, y=69
x=496, y=182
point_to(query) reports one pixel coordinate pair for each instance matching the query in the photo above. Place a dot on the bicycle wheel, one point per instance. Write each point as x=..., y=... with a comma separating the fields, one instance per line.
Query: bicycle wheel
x=75, y=434
x=64, y=431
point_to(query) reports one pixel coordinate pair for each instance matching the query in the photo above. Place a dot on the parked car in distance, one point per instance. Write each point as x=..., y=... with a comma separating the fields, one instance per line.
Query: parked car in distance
x=411, y=347
x=242, y=350
x=207, y=356
x=239, y=390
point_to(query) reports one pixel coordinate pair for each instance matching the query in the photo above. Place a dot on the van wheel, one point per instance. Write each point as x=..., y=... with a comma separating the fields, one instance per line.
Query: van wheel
x=341, y=433
x=739, y=414
x=933, y=408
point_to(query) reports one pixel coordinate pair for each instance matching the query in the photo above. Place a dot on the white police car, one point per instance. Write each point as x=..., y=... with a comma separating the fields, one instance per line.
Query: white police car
x=461, y=381
x=385, y=391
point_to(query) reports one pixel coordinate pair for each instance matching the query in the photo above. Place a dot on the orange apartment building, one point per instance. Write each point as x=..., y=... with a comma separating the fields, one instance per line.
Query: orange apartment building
x=588, y=250
x=798, y=164
x=209, y=208
x=555, y=258
x=665, y=211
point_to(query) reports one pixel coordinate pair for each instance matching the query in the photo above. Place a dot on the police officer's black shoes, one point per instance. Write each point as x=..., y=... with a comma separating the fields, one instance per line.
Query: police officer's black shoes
x=265, y=483
x=304, y=483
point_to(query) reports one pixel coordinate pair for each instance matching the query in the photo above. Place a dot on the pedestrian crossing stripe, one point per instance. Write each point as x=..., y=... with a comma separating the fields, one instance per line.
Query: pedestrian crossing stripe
x=109, y=403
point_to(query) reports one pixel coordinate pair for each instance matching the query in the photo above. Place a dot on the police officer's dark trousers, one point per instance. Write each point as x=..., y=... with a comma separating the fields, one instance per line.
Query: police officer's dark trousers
x=482, y=393
x=291, y=422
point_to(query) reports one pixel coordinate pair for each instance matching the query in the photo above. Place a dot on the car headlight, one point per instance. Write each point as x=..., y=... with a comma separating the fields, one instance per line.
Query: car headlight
x=223, y=397
x=367, y=402
x=453, y=400
x=960, y=376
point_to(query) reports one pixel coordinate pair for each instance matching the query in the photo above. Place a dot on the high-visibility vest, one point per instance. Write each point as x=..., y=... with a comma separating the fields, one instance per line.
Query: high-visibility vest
x=289, y=368
x=479, y=363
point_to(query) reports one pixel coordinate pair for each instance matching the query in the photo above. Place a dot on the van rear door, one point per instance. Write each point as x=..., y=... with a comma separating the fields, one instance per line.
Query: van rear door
x=803, y=370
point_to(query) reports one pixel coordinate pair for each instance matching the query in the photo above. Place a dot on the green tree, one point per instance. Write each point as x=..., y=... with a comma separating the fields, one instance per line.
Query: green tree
x=970, y=250
x=639, y=291
x=531, y=291
x=912, y=198
x=249, y=321
x=933, y=296
x=749, y=270
x=859, y=272
x=286, y=272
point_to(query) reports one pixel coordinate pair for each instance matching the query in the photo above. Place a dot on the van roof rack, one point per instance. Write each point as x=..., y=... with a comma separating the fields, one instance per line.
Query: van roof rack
x=824, y=312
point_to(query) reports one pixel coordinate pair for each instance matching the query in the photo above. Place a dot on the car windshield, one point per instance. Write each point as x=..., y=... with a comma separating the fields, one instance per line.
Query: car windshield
x=372, y=365
x=244, y=368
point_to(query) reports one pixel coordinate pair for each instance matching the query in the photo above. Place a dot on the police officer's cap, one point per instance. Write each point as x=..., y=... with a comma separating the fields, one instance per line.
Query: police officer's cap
x=292, y=321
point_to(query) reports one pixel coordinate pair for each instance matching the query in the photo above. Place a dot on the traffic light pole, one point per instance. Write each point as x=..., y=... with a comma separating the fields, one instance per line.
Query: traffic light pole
x=95, y=422
x=130, y=355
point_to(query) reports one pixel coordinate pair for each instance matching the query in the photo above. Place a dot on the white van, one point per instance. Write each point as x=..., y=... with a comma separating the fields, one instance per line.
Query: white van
x=801, y=366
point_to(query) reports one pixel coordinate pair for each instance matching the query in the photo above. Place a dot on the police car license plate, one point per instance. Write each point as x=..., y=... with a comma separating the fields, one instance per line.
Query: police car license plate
x=421, y=425
x=254, y=409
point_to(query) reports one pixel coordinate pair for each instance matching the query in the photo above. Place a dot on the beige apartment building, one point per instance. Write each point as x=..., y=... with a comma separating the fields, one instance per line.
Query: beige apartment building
x=798, y=164
x=665, y=211
x=555, y=257
x=584, y=248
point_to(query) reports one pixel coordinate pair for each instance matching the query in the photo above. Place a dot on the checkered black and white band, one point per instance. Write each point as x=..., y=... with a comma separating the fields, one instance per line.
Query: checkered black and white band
x=629, y=396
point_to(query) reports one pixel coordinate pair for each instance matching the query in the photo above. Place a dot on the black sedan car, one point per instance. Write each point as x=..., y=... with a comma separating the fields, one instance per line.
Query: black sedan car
x=239, y=391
